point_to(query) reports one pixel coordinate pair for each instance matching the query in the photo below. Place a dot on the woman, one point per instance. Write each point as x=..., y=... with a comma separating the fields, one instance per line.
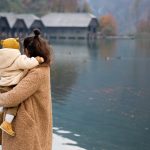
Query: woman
x=33, y=123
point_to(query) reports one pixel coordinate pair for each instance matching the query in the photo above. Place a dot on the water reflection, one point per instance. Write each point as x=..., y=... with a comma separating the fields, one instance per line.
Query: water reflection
x=107, y=48
x=105, y=102
x=140, y=66
x=143, y=47
x=63, y=77
x=104, y=48
x=68, y=60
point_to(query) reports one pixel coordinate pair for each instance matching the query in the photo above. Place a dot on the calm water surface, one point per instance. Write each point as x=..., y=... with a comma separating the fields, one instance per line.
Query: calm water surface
x=101, y=94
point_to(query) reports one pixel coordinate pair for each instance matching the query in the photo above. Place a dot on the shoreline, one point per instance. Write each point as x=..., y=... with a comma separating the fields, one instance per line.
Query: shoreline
x=62, y=143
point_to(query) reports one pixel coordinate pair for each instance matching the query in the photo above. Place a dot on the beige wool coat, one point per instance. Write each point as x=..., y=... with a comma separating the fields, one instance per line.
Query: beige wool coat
x=33, y=123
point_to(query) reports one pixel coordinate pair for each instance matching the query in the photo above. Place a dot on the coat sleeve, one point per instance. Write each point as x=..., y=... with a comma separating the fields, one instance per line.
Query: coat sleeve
x=24, y=62
x=25, y=88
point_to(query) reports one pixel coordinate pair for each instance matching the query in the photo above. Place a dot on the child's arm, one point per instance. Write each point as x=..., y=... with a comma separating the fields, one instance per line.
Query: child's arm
x=24, y=89
x=24, y=62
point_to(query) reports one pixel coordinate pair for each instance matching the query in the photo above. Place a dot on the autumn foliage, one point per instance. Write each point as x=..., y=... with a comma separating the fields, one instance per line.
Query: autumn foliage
x=69, y=6
x=108, y=25
x=42, y=7
x=143, y=26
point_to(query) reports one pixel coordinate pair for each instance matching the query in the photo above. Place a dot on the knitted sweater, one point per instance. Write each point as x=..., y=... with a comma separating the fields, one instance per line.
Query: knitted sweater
x=14, y=66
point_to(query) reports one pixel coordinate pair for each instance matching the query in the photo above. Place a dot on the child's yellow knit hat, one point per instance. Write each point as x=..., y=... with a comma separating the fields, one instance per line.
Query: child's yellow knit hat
x=10, y=43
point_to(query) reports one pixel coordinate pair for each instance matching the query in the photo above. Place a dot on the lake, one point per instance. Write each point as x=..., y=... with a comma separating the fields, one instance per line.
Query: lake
x=101, y=94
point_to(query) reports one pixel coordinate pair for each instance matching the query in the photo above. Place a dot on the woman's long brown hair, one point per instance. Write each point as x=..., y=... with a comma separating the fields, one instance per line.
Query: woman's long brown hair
x=37, y=46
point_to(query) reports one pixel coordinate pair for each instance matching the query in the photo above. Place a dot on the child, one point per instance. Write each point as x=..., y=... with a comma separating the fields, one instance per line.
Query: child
x=13, y=67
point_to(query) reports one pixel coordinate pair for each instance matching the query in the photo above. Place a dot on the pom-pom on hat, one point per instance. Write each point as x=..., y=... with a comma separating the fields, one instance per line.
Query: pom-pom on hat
x=10, y=43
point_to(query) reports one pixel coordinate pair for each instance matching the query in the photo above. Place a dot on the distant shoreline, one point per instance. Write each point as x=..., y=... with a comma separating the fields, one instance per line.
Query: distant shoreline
x=123, y=37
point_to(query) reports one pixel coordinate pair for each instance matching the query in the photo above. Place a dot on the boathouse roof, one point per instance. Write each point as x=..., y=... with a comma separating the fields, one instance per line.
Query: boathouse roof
x=28, y=19
x=11, y=18
x=67, y=19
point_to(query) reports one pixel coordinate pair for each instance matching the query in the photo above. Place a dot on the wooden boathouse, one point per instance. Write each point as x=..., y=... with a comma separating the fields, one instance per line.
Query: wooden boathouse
x=70, y=25
x=54, y=25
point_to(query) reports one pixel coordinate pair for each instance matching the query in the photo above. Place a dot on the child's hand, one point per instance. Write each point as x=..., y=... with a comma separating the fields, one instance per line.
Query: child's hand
x=39, y=59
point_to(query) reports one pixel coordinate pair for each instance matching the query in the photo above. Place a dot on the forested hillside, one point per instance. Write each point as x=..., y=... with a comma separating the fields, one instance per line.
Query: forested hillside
x=41, y=7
